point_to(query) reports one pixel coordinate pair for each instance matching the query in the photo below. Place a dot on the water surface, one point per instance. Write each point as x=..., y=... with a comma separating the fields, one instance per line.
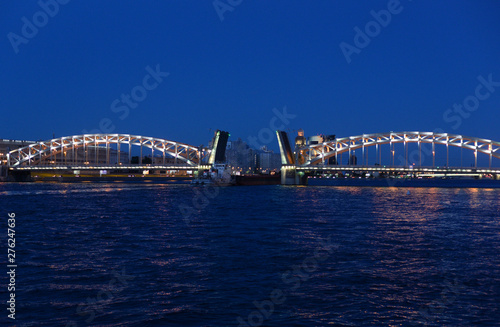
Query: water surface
x=175, y=255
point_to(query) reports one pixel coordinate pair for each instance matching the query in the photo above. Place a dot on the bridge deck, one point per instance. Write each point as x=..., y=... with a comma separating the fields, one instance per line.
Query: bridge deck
x=109, y=167
x=418, y=169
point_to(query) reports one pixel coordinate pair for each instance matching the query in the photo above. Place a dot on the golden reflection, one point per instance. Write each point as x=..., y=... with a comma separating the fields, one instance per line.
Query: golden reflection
x=395, y=203
x=406, y=228
x=163, y=263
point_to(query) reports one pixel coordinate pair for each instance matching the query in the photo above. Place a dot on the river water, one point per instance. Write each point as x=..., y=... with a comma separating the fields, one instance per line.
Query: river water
x=143, y=254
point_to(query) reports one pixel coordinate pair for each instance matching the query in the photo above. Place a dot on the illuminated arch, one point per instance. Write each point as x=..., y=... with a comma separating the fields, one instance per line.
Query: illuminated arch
x=36, y=153
x=316, y=153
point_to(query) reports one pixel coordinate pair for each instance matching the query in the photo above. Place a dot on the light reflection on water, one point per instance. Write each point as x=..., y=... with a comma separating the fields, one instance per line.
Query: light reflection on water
x=396, y=254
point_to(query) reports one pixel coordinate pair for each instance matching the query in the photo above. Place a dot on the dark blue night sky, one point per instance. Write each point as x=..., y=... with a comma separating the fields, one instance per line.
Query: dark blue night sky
x=229, y=74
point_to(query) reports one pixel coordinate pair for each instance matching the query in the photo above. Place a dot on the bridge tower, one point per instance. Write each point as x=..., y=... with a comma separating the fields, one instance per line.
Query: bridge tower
x=289, y=174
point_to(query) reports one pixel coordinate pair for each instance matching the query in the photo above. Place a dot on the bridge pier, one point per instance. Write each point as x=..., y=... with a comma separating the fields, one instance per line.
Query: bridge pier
x=19, y=176
x=4, y=173
x=290, y=176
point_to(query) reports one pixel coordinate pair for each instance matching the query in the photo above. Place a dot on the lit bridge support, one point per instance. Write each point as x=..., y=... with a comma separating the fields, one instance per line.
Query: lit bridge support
x=289, y=173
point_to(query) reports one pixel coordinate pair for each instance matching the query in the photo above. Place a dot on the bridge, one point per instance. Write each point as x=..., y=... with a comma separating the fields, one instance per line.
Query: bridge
x=325, y=155
x=114, y=152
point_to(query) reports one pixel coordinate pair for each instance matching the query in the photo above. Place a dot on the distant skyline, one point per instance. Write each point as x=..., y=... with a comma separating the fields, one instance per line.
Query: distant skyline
x=182, y=69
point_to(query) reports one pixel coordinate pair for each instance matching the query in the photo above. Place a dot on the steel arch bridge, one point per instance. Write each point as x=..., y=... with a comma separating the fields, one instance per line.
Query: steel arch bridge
x=311, y=159
x=316, y=154
x=55, y=151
